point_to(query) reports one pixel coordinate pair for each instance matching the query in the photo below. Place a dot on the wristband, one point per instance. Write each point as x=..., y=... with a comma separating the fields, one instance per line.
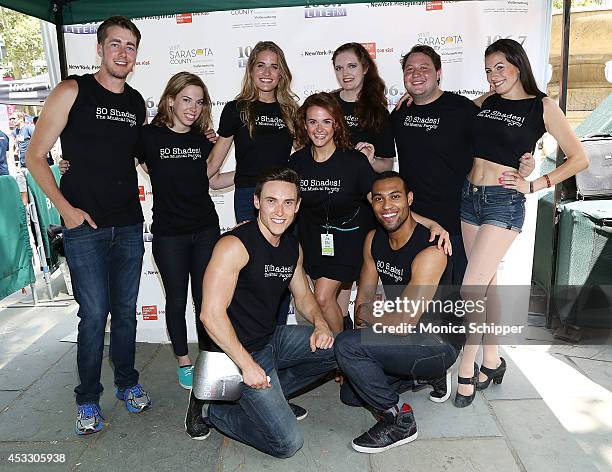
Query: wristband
x=531, y=186
x=548, y=184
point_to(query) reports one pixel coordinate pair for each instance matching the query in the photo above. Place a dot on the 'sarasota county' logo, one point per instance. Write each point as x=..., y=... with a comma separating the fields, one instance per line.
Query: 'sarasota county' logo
x=440, y=41
x=179, y=55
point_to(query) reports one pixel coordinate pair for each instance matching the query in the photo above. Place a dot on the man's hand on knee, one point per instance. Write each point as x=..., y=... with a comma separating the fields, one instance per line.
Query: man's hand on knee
x=321, y=338
x=255, y=377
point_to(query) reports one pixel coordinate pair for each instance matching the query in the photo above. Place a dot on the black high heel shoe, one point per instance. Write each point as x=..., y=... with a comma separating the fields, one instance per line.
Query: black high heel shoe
x=461, y=401
x=497, y=375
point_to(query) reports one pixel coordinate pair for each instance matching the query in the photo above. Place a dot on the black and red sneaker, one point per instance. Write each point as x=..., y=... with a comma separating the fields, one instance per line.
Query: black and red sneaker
x=390, y=431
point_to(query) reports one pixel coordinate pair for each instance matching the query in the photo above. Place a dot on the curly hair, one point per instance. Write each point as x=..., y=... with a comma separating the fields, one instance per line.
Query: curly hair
x=284, y=95
x=174, y=86
x=327, y=101
x=371, y=105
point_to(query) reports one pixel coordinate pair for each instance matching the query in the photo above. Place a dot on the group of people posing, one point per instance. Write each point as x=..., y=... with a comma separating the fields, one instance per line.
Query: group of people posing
x=325, y=165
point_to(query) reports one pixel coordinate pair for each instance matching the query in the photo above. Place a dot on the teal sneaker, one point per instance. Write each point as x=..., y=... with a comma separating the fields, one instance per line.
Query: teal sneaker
x=185, y=376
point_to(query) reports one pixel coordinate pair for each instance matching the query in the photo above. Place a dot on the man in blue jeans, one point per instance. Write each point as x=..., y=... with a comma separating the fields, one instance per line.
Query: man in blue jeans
x=98, y=118
x=249, y=271
x=378, y=357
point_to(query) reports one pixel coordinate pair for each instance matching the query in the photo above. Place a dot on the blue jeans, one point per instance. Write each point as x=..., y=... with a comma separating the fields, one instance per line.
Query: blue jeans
x=457, y=263
x=105, y=266
x=377, y=365
x=492, y=205
x=262, y=418
x=243, y=204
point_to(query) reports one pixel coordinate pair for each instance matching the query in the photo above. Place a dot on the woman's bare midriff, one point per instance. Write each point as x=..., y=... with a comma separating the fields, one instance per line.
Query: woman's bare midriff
x=486, y=172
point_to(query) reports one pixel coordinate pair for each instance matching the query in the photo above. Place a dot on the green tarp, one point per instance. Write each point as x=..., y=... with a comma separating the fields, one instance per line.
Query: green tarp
x=15, y=252
x=47, y=213
x=599, y=121
x=82, y=11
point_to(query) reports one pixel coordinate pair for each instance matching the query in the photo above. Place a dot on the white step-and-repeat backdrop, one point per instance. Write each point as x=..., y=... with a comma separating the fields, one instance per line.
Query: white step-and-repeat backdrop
x=216, y=47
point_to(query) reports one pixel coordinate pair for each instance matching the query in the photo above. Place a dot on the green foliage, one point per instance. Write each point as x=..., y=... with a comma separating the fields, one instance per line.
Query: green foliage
x=558, y=4
x=23, y=43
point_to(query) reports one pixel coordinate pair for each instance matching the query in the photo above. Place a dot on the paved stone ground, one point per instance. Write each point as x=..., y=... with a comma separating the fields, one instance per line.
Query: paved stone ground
x=552, y=412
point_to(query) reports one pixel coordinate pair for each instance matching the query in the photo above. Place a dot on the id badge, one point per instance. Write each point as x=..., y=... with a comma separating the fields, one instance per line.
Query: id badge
x=327, y=244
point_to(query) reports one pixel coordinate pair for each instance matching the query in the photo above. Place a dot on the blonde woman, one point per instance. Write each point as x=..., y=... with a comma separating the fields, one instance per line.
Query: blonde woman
x=260, y=123
x=185, y=225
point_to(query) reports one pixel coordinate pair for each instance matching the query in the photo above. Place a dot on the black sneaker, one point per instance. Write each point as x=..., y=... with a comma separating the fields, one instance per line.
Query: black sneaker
x=195, y=426
x=441, y=387
x=390, y=431
x=299, y=412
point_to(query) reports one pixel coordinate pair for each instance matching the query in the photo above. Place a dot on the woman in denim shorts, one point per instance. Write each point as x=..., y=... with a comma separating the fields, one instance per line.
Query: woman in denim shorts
x=512, y=118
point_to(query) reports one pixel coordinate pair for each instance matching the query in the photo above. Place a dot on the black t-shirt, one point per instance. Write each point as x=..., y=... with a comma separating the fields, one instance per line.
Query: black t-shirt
x=100, y=140
x=505, y=129
x=177, y=167
x=269, y=147
x=434, y=147
x=394, y=267
x=381, y=139
x=260, y=284
x=334, y=201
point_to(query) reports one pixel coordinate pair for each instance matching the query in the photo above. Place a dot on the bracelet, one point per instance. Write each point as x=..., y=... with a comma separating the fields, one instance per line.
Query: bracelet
x=548, y=184
x=531, y=186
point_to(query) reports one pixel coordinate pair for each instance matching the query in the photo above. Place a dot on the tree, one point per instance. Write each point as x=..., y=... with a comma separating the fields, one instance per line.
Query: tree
x=558, y=4
x=23, y=42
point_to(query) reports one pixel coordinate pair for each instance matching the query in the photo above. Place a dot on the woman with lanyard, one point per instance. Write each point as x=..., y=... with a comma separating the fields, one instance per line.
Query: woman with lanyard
x=510, y=123
x=335, y=214
x=260, y=122
x=174, y=150
x=363, y=102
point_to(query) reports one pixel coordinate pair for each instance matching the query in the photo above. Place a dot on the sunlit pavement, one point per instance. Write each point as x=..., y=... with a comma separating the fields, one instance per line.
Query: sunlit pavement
x=553, y=411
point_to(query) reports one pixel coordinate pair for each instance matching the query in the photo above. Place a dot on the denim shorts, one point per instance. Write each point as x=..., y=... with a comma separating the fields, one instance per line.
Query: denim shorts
x=492, y=205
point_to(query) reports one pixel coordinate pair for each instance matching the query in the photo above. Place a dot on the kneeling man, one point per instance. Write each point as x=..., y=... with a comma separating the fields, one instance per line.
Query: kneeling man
x=391, y=347
x=250, y=268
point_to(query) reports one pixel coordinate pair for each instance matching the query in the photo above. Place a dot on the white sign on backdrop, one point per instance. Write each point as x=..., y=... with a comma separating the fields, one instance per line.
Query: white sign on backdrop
x=216, y=47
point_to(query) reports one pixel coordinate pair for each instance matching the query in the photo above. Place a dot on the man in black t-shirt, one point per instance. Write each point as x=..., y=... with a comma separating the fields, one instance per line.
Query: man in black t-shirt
x=249, y=271
x=434, y=146
x=98, y=118
x=390, y=348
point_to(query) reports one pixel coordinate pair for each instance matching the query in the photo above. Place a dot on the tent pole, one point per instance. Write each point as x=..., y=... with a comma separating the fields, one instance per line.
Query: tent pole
x=559, y=193
x=564, y=64
x=58, y=9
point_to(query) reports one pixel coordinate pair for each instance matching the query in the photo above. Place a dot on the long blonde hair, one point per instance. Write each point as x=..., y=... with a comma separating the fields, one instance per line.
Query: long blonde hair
x=249, y=94
x=174, y=86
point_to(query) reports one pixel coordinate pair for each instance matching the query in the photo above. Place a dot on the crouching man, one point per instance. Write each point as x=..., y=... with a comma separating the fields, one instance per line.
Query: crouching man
x=390, y=348
x=250, y=268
